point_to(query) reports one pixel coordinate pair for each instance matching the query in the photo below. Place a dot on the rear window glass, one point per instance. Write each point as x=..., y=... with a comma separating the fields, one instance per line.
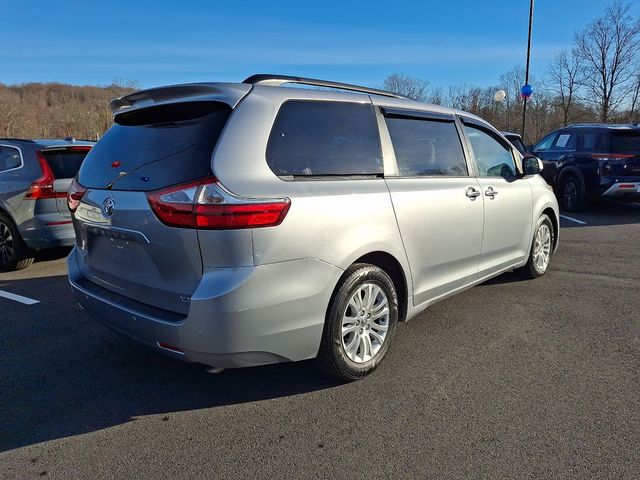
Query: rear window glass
x=65, y=163
x=625, y=142
x=156, y=147
x=516, y=142
x=426, y=147
x=312, y=138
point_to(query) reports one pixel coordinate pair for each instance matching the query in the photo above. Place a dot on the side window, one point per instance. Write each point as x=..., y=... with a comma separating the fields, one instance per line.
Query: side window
x=9, y=158
x=594, y=142
x=325, y=138
x=426, y=147
x=545, y=143
x=492, y=157
x=565, y=141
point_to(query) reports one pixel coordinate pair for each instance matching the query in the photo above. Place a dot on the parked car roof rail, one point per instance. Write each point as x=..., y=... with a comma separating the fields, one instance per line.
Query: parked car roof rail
x=278, y=80
x=9, y=139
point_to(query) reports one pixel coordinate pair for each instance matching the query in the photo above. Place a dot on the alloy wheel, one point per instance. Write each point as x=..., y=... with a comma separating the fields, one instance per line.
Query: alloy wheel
x=542, y=248
x=570, y=194
x=365, y=323
x=7, y=247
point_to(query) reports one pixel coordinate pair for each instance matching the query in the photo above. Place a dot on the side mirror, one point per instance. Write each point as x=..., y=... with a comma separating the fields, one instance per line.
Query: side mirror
x=531, y=165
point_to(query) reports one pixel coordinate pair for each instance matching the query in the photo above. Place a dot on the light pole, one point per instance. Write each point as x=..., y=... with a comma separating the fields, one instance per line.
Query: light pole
x=526, y=90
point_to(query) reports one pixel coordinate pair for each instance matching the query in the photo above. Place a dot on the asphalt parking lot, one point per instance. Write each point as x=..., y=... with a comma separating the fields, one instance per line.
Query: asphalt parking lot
x=511, y=379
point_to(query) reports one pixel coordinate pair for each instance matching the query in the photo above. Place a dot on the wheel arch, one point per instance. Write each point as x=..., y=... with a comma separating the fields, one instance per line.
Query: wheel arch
x=570, y=170
x=393, y=268
x=555, y=221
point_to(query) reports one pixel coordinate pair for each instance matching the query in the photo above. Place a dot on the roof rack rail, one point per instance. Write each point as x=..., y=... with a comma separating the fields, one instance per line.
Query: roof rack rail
x=17, y=139
x=278, y=80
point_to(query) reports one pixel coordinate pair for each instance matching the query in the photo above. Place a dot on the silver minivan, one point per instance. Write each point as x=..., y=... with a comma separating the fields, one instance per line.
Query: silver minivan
x=240, y=224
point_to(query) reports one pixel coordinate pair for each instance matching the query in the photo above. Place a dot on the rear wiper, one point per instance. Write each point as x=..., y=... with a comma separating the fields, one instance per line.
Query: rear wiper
x=124, y=174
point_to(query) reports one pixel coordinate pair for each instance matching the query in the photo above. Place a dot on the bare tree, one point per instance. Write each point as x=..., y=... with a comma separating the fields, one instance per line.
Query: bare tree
x=436, y=96
x=511, y=82
x=635, y=100
x=565, y=75
x=411, y=87
x=608, y=47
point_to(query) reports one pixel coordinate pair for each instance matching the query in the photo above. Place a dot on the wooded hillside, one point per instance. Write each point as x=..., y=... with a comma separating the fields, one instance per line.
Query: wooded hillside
x=55, y=110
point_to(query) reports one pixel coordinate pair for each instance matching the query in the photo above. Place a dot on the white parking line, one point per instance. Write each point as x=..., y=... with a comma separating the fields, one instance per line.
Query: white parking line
x=573, y=219
x=18, y=298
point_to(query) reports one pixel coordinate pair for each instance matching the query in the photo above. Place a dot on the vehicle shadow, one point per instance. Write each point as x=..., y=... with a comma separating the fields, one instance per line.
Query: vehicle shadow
x=64, y=374
x=603, y=213
x=52, y=254
x=504, y=278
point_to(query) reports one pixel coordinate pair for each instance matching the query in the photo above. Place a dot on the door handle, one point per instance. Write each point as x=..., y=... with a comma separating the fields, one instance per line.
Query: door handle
x=490, y=192
x=472, y=193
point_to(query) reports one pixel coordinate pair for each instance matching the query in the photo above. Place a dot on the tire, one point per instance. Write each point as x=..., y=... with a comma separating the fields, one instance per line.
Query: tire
x=534, y=268
x=338, y=356
x=14, y=254
x=571, y=194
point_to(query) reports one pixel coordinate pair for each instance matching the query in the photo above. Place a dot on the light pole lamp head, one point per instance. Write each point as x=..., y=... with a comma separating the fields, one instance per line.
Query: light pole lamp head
x=500, y=96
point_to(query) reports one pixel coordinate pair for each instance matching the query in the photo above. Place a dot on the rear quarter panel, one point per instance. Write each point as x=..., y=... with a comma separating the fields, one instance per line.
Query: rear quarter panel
x=335, y=221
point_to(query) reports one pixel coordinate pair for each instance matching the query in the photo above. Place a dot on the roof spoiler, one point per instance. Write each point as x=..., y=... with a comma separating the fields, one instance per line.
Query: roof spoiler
x=223, y=92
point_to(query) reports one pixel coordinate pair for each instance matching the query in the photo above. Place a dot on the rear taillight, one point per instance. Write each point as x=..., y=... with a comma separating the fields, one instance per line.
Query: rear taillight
x=206, y=204
x=74, y=195
x=42, y=187
x=612, y=156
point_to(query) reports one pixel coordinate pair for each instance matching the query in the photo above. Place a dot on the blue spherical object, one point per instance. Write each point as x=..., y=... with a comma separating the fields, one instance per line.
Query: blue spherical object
x=526, y=90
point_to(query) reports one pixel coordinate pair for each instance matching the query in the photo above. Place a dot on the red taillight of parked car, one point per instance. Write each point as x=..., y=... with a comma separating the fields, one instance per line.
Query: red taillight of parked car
x=74, y=195
x=205, y=204
x=42, y=187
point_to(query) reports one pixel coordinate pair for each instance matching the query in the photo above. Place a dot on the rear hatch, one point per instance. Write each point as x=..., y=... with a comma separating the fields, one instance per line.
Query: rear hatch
x=122, y=245
x=63, y=163
x=623, y=153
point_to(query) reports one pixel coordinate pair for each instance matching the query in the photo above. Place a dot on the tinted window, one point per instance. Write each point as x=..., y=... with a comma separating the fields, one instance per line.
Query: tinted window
x=9, y=158
x=594, y=141
x=545, y=143
x=325, y=138
x=426, y=147
x=622, y=141
x=565, y=141
x=65, y=163
x=492, y=157
x=156, y=147
x=516, y=142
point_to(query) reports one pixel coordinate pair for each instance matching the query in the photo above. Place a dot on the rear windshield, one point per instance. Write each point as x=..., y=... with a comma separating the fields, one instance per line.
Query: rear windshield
x=625, y=142
x=65, y=163
x=156, y=147
x=516, y=142
x=612, y=141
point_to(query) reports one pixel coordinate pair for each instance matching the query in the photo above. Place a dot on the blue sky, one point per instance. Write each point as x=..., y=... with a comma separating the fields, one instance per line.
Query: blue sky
x=163, y=41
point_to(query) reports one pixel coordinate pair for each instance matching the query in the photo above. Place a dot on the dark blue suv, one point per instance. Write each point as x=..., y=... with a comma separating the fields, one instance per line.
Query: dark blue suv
x=589, y=161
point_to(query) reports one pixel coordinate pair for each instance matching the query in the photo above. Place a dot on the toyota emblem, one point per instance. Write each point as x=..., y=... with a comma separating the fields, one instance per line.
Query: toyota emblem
x=108, y=206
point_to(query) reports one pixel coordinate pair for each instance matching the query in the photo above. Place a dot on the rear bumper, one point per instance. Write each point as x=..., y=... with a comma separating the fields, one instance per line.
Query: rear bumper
x=47, y=231
x=238, y=317
x=623, y=188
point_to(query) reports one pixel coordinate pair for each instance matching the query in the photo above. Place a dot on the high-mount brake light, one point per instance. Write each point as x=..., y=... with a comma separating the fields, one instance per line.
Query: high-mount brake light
x=206, y=204
x=74, y=195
